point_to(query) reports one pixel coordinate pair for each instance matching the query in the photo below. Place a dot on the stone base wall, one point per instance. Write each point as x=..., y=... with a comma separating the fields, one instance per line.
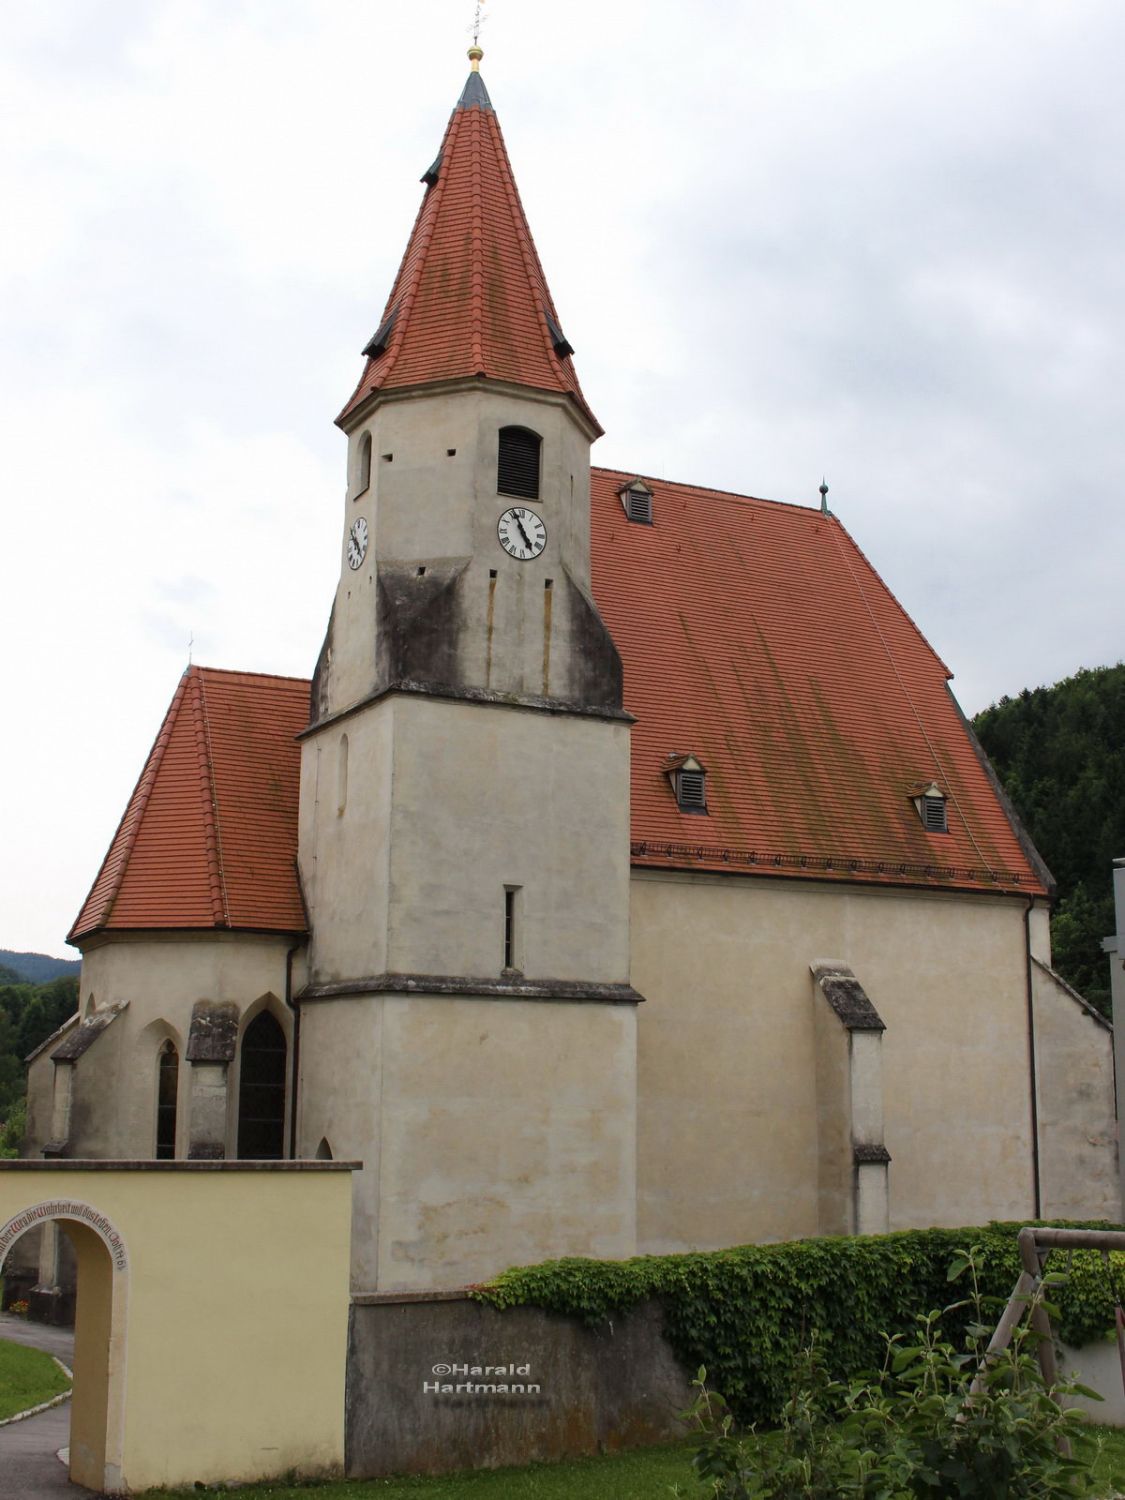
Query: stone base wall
x=439, y=1383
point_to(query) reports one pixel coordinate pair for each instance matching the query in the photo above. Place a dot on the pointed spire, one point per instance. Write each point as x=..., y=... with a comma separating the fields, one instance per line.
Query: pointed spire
x=470, y=298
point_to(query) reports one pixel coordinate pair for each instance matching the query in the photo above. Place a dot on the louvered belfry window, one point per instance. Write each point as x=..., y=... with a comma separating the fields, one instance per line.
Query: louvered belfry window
x=517, y=464
x=690, y=792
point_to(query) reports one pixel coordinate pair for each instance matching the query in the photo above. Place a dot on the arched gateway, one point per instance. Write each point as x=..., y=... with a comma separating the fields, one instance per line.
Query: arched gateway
x=98, y=1403
x=242, y=1268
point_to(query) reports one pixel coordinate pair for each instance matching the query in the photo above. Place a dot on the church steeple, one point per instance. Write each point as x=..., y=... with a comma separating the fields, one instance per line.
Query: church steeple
x=470, y=298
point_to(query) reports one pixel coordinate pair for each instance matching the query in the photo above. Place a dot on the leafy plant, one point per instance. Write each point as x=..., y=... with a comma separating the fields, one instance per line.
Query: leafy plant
x=915, y=1429
x=747, y=1313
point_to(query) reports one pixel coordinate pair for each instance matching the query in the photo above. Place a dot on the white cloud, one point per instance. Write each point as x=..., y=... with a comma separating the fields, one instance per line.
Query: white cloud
x=878, y=241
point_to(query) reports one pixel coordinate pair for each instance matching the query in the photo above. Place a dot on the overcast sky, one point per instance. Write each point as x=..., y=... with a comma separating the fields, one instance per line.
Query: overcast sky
x=880, y=241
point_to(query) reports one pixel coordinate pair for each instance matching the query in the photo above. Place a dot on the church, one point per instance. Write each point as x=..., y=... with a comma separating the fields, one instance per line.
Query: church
x=625, y=880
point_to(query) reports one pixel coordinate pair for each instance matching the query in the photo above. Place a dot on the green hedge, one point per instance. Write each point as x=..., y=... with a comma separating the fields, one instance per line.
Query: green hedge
x=746, y=1312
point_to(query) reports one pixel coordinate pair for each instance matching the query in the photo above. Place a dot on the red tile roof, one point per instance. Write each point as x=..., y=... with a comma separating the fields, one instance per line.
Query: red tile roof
x=470, y=297
x=209, y=838
x=757, y=637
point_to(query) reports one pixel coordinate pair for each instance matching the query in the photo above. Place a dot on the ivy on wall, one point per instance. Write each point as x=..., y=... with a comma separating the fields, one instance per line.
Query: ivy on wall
x=746, y=1313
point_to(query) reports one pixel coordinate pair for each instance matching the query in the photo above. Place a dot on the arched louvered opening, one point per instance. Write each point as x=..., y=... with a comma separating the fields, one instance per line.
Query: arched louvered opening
x=261, y=1091
x=167, y=1088
x=517, y=464
x=363, y=464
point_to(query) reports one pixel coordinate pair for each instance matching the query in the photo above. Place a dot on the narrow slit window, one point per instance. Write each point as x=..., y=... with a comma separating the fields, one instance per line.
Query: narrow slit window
x=167, y=1088
x=363, y=465
x=509, y=927
x=342, y=777
x=517, y=462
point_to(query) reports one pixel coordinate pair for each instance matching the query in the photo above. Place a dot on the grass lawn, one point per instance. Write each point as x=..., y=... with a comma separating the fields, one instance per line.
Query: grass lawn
x=647, y=1474
x=641, y=1475
x=27, y=1377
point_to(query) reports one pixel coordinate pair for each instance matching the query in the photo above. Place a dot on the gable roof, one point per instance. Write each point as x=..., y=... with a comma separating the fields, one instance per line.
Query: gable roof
x=470, y=297
x=209, y=838
x=757, y=636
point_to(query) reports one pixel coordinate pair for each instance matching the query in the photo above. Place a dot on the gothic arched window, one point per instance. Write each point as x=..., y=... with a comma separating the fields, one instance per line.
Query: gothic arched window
x=167, y=1085
x=517, y=462
x=261, y=1091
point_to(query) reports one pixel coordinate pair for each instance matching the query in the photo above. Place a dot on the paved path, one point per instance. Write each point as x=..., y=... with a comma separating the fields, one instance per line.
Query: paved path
x=29, y=1468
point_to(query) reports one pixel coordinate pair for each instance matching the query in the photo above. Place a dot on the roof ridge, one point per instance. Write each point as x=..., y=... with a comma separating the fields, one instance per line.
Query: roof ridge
x=707, y=489
x=212, y=833
x=247, y=672
x=138, y=801
x=917, y=629
x=476, y=247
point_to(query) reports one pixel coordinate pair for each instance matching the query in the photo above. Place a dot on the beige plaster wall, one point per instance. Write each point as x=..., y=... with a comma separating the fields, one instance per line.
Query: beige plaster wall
x=494, y=1132
x=424, y=505
x=727, y=1106
x=1078, y=1139
x=157, y=979
x=448, y=803
x=224, y=1362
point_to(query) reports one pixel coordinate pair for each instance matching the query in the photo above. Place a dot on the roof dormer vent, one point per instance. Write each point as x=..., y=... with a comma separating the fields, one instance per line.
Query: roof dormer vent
x=636, y=497
x=562, y=345
x=688, y=779
x=379, y=340
x=929, y=800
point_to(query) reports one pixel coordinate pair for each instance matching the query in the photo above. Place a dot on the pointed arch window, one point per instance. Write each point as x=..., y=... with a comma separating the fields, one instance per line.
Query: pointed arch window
x=261, y=1091
x=517, y=462
x=167, y=1089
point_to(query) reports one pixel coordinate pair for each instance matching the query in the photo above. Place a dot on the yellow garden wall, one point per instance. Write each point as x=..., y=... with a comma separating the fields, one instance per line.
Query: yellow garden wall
x=211, y=1334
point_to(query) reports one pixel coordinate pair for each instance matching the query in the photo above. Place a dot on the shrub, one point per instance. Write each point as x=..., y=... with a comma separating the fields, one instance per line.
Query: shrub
x=912, y=1430
x=747, y=1313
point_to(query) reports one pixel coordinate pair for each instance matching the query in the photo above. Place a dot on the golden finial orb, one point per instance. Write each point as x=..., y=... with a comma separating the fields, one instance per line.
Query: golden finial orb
x=475, y=55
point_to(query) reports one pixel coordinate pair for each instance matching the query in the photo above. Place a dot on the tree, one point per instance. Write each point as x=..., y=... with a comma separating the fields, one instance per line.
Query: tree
x=1060, y=753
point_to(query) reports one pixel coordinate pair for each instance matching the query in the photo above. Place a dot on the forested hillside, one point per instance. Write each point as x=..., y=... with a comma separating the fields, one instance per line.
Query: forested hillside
x=28, y=1015
x=1060, y=752
x=35, y=968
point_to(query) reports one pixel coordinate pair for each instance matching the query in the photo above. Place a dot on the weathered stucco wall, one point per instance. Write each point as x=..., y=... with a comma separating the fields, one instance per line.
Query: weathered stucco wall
x=155, y=980
x=447, y=805
x=428, y=505
x=493, y=1132
x=217, y=1311
x=584, y=1390
x=727, y=1105
x=1078, y=1141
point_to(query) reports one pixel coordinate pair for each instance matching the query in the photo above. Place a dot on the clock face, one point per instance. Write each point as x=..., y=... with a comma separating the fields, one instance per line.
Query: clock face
x=357, y=542
x=522, y=533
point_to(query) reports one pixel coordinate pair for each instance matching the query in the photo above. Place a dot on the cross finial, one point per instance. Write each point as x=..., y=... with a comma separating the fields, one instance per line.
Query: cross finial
x=479, y=18
x=190, y=644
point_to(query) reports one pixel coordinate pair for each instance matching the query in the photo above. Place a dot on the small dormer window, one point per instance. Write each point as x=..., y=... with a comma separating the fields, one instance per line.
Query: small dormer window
x=517, y=462
x=930, y=803
x=636, y=497
x=689, y=782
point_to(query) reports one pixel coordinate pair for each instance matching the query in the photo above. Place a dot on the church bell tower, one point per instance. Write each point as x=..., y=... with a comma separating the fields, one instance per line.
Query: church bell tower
x=468, y=1028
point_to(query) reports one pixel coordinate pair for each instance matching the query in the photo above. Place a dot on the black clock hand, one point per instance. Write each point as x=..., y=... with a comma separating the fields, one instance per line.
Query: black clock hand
x=523, y=533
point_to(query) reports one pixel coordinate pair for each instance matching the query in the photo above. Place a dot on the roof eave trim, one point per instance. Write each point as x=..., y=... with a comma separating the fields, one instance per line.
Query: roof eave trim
x=355, y=414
